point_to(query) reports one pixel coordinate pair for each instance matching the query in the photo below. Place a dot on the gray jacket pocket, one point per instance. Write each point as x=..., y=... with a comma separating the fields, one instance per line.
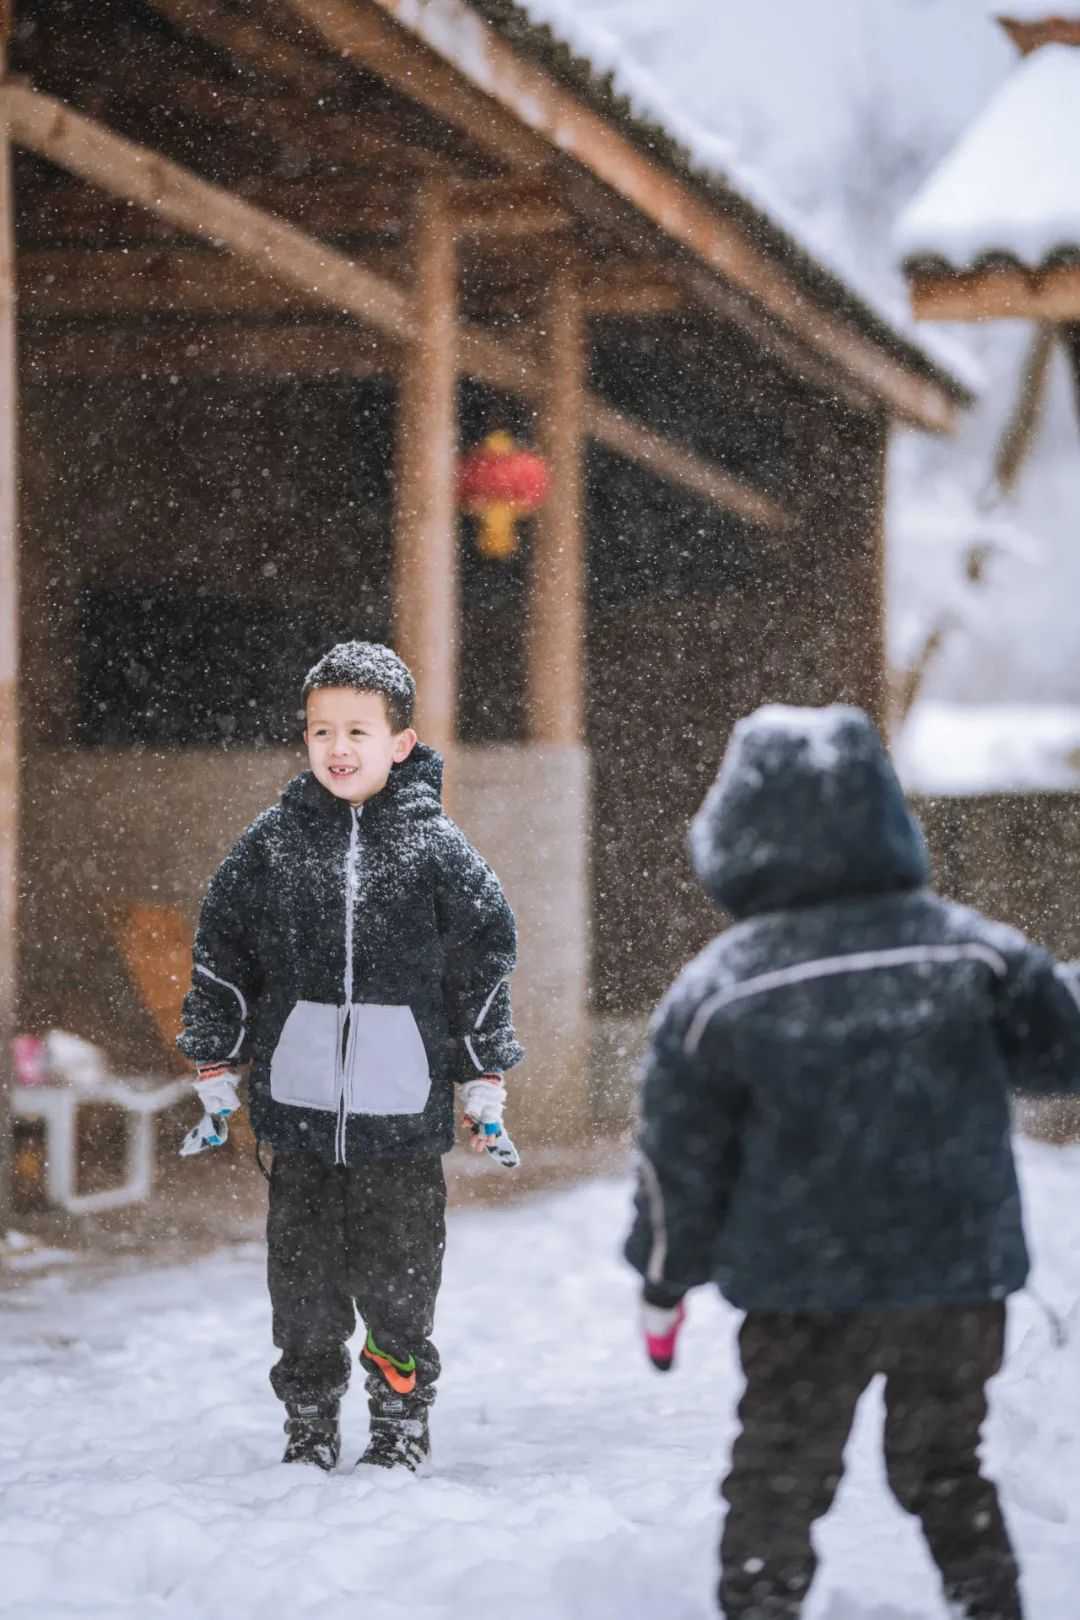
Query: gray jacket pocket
x=388, y=1065
x=305, y=1069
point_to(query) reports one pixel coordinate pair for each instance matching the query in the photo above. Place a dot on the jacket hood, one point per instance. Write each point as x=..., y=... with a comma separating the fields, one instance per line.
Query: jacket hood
x=806, y=808
x=414, y=789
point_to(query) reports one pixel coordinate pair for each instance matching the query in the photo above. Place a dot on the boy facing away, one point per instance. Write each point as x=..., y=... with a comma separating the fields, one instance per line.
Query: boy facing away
x=826, y=1135
x=356, y=950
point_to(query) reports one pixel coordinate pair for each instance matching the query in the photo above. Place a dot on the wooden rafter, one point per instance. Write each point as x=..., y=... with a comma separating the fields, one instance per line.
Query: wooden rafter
x=823, y=350
x=330, y=138
x=339, y=205
x=640, y=444
x=1030, y=36
x=278, y=250
x=71, y=282
x=359, y=32
x=245, y=41
x=810, y=366
x=63, y=283
x=488, y=63
x=286, y=254
x=1006, y=292
x=317, y=350
x=222, y=349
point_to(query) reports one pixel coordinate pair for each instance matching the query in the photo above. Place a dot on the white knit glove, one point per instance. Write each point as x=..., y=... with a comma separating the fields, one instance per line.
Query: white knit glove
x=484, y=1100
x=217, y=1093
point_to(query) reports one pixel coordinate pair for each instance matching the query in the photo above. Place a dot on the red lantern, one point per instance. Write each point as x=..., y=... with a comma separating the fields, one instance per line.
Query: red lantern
x=499, y=483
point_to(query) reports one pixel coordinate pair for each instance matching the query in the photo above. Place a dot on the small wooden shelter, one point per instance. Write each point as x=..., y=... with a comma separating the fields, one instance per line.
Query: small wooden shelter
x=994, y=234
x=279, y=262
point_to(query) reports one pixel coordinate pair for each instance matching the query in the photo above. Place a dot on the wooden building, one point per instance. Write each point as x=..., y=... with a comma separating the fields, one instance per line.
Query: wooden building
x=994, y=234
x=278, y=263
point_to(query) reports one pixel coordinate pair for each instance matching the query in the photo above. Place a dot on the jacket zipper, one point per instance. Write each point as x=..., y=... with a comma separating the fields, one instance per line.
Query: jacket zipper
x=345, y=1042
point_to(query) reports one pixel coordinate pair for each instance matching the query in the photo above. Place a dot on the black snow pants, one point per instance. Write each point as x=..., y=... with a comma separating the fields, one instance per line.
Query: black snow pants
x=365, y=1238
x=804, y=1375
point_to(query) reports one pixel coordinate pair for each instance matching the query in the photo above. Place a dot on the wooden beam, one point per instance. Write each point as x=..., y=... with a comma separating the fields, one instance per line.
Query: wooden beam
x=515, y=369
x=349, y=140
x=373, y=204
x=61, y=283
x=9, y=643
x=684, y=468
x=219, y=349
x=555, y=636
x=76, y=143
x=425, y=568
x=1004, y=293
x=498, y=361
x=454, y=32
x=248, y=44
x=69, y=282
x=357, y=31
x=313, y=350
x=1029, y=36
x=276, y=249
x=811, y=368
x=632, y=297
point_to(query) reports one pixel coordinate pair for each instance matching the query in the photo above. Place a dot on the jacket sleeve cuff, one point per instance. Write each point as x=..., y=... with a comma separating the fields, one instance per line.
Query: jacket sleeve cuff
x=487, y=1052
x=663, y=1295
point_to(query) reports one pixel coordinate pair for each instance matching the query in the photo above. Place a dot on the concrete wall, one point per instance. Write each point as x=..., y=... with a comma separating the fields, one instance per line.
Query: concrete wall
x=106, y=827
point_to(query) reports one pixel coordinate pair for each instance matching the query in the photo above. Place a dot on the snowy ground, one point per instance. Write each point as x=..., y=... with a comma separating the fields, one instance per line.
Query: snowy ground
x=139, y=1444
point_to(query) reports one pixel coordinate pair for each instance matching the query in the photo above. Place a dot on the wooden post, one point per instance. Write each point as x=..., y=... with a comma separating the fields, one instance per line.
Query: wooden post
x=425, y=572
x=556, y=618
x=9, y=641
x=874, y=676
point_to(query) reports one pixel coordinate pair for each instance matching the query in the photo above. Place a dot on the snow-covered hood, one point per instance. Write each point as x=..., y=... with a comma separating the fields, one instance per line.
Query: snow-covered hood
x=806, y=808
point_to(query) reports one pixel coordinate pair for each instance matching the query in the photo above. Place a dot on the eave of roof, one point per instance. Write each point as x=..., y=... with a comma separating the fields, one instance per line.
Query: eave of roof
x=731, y=193
x=1008, y=194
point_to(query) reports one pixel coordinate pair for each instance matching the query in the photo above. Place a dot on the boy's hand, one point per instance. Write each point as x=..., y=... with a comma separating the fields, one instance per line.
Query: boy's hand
x=215, y=1088
x=484, y=1101
x=662, y=1317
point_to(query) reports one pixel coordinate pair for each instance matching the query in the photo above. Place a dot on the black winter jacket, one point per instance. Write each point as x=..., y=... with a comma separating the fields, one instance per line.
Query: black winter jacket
x=825, y=1112
x=360, y=960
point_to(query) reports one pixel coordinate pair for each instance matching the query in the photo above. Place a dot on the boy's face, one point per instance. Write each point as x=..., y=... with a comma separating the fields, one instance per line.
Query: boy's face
x=350, y=744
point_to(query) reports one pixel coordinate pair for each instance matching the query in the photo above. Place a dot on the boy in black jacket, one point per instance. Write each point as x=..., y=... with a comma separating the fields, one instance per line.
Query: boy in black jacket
x=356, y=950
x=825, y=1135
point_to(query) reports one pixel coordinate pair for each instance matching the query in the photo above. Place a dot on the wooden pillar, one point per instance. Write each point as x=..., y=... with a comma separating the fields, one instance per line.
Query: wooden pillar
x=556, y=616
x=875, y=676
x=9, y=637
x=425, y=571
x=1070, y=332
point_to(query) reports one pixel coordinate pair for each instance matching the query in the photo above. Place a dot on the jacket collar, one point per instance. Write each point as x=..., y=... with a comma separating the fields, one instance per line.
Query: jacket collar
x=414, y=789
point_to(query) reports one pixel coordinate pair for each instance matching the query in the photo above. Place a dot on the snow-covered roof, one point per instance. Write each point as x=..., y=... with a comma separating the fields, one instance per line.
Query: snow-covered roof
x=1010, y=189
x=576, y=48
x=955, y=749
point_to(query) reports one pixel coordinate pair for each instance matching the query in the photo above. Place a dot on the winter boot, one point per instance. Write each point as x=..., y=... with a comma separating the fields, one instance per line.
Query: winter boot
x=314, y=1435
x=399, y=1442
x=399, y=1413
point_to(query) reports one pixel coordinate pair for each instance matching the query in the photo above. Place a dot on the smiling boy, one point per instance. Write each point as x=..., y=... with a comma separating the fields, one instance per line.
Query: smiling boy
x=356, y=950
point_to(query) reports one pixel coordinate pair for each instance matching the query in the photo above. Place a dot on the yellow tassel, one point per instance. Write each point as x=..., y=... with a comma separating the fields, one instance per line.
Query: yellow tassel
x=498, y=532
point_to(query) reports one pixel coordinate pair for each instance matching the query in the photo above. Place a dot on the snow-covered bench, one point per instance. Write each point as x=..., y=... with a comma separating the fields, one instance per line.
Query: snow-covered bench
x=54, y=1079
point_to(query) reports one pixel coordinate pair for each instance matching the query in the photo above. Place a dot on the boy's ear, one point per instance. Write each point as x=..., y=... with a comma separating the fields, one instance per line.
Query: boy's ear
x=404, y=743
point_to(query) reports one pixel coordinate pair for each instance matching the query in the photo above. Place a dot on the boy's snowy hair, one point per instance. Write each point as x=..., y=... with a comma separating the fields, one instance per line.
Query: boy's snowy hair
x=367, y=666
